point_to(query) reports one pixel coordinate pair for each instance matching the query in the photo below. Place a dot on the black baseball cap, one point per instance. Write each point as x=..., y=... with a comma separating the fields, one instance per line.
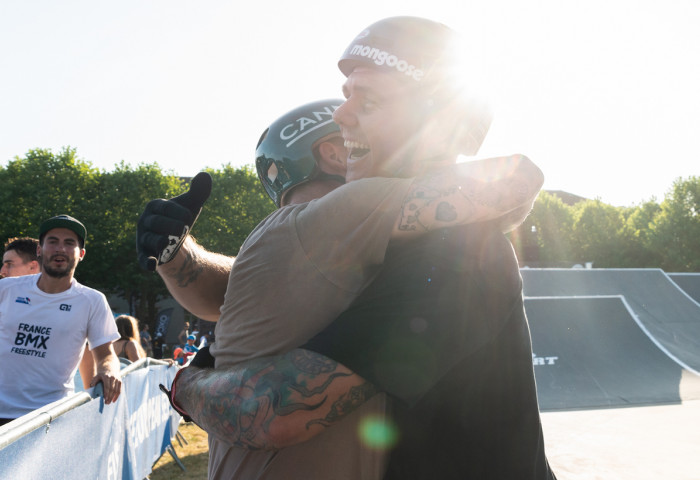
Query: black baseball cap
x=64, y=221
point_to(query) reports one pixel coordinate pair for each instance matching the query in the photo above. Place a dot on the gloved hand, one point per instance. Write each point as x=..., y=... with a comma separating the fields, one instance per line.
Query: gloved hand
x=171, y=396
x=165, y=224
x=203, y=359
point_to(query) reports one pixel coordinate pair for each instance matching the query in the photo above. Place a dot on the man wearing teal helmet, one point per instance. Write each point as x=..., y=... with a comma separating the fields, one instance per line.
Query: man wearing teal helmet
x=296, y=148
x=346, y=251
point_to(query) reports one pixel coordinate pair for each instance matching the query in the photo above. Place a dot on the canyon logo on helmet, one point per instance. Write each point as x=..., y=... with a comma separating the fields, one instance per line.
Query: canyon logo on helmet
x=284, y=156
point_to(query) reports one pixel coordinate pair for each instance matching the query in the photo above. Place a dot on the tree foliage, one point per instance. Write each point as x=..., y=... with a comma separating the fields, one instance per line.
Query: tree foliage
x=122, y=196
x=675, y=232
x=236, y=205
x=597, y=232
x=638, y=250
x=649, y=235
x=553, y=222
x=43, y=184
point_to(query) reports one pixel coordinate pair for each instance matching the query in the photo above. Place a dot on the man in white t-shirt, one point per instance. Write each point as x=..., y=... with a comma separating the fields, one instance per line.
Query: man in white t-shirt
x=45, y=320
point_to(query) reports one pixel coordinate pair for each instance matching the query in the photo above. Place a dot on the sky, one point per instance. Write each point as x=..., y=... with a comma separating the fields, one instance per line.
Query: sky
x=603, y=95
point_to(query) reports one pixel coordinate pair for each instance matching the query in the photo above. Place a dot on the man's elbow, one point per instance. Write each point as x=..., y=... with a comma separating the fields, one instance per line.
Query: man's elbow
x=530, y=173
x=514, y=219
x=537, y=178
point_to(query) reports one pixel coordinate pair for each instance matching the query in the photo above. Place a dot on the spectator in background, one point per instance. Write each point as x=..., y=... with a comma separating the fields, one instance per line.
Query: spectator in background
x=20, y=257
x=157, y=344
x=181, y=357
x=146, y=340
x=129, y=345
x=204, y=340
x=45, y=320
x=182, y=336
x=190, y=347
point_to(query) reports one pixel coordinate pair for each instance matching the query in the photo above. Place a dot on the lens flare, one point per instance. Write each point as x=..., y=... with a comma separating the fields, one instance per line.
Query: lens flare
x=378, y=433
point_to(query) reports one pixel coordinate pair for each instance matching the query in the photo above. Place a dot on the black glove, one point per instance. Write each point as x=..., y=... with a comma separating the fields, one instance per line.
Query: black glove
x=203, y=359
x=165, y=224
x=171, y=394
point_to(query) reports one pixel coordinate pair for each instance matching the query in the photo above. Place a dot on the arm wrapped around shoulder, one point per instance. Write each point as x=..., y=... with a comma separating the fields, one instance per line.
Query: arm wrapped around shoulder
x=500, y=189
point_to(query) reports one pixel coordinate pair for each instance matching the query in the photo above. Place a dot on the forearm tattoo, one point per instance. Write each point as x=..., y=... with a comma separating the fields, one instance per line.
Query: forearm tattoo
x=188, y=272
x=421, y=201
x=438, y=201
x=242, y=405
x=346, y=404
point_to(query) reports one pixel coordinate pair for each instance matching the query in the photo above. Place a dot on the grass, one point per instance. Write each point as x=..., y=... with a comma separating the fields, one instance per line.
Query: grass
x=194, y=455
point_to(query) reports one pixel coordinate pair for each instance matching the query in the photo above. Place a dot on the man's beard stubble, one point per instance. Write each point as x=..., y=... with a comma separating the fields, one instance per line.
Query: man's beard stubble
x=56, y=273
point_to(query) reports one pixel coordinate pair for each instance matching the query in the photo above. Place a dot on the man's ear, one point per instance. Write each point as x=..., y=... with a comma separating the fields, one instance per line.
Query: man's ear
x=332, y=158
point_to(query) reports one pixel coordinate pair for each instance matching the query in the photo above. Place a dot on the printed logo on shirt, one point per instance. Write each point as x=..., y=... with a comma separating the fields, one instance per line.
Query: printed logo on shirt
x=31, y=340
x=24, y=300
x=65, y=307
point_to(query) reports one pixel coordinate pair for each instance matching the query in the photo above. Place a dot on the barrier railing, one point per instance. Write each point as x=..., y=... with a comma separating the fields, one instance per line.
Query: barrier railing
x=84, y=438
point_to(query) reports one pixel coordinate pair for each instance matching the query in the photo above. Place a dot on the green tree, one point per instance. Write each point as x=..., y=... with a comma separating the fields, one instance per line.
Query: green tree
x=544, y=238
x=44, y=184
x=117, y=206
x=597, y=233
x=637, y=251
x=676, y=229
x=236, y=205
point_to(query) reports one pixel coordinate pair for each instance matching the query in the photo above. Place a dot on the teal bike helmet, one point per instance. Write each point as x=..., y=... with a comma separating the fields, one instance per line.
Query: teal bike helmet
x=285, y=155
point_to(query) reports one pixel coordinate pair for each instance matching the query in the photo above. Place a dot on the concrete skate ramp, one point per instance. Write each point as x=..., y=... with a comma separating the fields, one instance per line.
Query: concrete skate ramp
x=667, y=313
x=590, y=353
x=688, y=282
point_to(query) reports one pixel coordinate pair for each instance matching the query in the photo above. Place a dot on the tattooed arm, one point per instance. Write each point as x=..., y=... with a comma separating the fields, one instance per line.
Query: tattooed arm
x=270, y=402
x=197, y=279
x=502, y=189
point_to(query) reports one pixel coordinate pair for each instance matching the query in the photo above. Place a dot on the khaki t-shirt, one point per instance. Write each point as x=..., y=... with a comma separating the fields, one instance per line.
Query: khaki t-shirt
x=303, y=266
x=295, y=273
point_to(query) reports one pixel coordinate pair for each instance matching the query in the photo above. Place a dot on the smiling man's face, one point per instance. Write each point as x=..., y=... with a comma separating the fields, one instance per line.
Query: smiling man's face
x=380, y=121
x=60, y=252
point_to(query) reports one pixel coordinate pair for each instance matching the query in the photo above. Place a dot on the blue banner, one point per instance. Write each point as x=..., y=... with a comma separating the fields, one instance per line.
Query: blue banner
x=97, y=441
x=148, y=424
x=163, y=323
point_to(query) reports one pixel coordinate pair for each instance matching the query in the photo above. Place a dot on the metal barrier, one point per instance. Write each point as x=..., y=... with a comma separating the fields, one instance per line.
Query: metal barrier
x=20, y=427
x=43, y=416
x=124, y=438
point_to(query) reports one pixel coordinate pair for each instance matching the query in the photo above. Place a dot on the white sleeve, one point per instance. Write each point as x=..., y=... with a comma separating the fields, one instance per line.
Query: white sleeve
x=101, y=325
